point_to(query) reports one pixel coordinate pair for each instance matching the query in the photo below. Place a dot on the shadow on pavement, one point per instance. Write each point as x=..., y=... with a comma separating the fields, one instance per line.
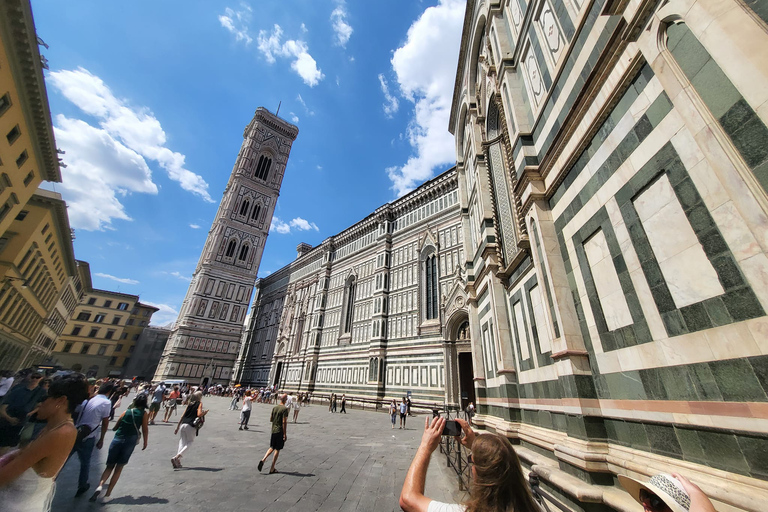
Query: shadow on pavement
x=294, y=473
x=141, y=500
x=212, y=470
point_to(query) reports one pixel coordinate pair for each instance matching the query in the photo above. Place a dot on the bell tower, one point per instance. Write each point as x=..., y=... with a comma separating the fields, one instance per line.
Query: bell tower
x=205, y=340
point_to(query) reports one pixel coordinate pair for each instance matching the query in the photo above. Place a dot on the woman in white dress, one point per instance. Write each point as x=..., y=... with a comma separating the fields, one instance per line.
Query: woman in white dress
x=27, y=475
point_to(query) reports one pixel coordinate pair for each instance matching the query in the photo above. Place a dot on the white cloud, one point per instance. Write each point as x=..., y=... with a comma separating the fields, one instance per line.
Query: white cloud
x=303, y=104
x=279, y=226
x=341, y=28
x=303, y=63
x=303, y=225
x=181, y=276
x=294, y=118
x=425, y=67
x=391, y=104
x=111, y=159
x=236, y=22
x=194, y=226
x=319, y=167
x=118, y=279
x=285, y=227
x=166, y=315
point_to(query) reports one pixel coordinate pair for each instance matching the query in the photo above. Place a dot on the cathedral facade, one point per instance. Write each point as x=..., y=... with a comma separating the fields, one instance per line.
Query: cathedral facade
x=205, y=339
x=593, y=272
x=377, y=311
x=612, y=162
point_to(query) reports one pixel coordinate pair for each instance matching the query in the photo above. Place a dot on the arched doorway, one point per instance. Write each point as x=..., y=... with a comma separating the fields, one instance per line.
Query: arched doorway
x=459, y=382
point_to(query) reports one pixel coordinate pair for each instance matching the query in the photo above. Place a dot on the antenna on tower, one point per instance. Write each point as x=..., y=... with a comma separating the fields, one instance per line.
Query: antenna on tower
x=278, y=107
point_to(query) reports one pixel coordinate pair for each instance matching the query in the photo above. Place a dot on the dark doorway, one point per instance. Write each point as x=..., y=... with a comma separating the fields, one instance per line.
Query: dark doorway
x=205, y=383
x=466, y=380
x=278, y=371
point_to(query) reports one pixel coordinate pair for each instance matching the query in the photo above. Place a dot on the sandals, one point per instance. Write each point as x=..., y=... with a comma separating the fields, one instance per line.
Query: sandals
x=176, y=463
x=273, y=472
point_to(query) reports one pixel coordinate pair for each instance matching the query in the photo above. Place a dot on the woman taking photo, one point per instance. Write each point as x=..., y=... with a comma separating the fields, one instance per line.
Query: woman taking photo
x=127, y=436
x=27, y=475
x=498, y=483
x=188, y=425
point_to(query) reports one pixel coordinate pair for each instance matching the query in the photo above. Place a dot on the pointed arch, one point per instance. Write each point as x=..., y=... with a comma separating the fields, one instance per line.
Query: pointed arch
x=231, y=246
x=244, y=207
x=243, y=255
x=256, y=212
x=263, y=166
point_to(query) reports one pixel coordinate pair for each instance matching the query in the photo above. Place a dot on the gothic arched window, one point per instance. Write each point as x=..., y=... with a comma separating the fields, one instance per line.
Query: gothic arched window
x=243, y=253
x=430, y=287
x=256, y=212
x=262, y=168
x=244, y=207
x=231, y=248
x=349, y=292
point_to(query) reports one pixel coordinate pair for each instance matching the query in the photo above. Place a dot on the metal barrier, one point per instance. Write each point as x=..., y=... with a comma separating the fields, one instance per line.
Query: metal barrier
x=456, y=454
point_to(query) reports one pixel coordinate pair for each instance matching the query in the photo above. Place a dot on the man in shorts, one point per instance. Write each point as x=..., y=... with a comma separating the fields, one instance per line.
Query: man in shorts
x=279, y=419
x=157, y=399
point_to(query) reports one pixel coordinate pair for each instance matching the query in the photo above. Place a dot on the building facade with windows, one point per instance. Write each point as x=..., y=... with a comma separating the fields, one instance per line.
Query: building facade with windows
x=205, y=340
x=38, y=292
x=98, y=338
x=37, y=268
x=612, y=162
x=377, y=310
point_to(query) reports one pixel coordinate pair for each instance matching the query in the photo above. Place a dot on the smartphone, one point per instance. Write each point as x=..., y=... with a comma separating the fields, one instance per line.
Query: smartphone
x=452, y=428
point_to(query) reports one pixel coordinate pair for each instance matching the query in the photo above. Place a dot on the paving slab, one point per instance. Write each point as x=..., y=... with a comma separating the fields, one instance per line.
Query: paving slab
x=331, y=462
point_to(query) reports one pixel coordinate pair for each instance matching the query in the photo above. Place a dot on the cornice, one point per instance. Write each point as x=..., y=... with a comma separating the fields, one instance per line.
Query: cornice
x=466, y=32
x=278, y=124
x=58, y=208
x=17, y=31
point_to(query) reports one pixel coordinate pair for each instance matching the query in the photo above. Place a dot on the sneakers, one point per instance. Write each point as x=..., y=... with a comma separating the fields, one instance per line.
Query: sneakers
x=245, y=427
x=241, y=428
x=95, y=494
x=82, y=490
x=261, y=465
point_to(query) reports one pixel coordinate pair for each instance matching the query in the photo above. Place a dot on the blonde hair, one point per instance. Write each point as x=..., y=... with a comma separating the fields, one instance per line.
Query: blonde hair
x=498, y=484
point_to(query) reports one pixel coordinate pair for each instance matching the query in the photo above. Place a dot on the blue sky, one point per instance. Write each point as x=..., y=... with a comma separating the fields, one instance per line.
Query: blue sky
x=150, y=99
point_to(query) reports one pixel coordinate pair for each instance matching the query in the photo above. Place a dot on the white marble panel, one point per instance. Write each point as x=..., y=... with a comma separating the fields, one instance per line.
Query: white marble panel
x=518, y=307
x=689, y=275
x=542, y=326
x=606, y=280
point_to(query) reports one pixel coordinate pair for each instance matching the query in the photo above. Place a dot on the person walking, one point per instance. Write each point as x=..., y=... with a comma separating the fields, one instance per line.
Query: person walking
x=235, y=399
x=296, y=407
x=333, y=403
x=403, y=412
x=343, y=404
x=93, y=412
x=245, y=413
x=393, y=412
x=17, y=404
x=408, y=402
x=279, y=419
x=171, y=403
x=130, y=427
x=188, y=425
x=157, y=399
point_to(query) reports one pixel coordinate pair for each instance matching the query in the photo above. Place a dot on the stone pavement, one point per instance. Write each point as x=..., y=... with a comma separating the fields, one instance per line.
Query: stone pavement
x=347, y=462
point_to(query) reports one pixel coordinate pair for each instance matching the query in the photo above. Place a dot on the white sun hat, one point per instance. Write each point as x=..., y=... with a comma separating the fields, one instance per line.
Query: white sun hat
x=663, y=485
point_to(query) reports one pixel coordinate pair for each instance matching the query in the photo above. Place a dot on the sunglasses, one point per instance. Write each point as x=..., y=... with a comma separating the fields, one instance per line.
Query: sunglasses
x=652, y=502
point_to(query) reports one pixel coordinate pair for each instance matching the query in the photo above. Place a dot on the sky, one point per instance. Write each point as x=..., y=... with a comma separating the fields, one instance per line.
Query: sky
x=149, y=101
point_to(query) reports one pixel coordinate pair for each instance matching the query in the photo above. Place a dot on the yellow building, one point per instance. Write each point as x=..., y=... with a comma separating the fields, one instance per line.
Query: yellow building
x=38, y=281
x=27, y=147
x=99, y=337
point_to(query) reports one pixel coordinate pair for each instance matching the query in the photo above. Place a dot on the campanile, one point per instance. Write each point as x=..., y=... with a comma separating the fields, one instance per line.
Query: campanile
x=205, y=339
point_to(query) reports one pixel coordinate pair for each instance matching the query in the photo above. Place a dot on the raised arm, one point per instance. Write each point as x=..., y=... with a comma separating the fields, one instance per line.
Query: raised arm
x=412, y=497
